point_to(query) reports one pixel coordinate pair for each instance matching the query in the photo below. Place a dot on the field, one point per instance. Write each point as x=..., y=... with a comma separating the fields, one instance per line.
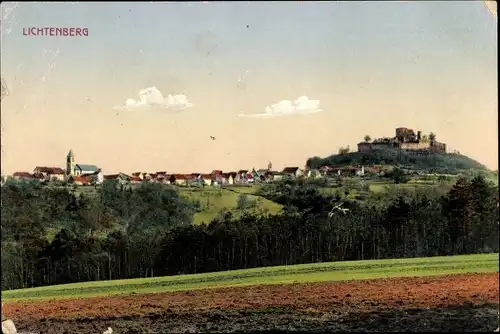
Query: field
x=214, y=200
x=442, y=293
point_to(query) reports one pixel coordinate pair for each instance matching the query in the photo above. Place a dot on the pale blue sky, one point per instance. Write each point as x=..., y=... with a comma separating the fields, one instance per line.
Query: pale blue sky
x=436, y=62
x=338, y=34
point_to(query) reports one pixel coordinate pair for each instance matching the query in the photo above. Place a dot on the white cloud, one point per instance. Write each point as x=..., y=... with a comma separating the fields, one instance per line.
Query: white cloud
x=152, y=97
x=301, y=106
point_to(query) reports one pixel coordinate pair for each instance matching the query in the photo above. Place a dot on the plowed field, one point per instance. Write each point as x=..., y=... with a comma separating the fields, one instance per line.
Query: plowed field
x=467, y=302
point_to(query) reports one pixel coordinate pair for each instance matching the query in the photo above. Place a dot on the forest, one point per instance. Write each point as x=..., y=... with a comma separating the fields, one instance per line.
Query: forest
x=147, y=231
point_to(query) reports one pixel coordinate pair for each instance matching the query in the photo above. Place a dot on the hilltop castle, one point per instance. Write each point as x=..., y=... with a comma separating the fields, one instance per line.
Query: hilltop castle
x=405, y=139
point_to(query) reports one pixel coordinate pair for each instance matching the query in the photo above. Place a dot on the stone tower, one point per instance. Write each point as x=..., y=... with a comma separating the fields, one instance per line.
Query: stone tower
x=70, y=163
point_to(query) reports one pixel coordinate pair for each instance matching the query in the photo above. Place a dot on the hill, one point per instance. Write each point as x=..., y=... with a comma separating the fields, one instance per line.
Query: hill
x=446, y=163
x=213, y=201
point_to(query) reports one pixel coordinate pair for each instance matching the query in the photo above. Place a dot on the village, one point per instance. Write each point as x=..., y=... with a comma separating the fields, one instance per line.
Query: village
x=78, y=174
x=86, y=174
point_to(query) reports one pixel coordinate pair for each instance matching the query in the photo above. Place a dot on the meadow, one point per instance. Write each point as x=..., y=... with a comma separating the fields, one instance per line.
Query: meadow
x=305, y=273
x=215, y=200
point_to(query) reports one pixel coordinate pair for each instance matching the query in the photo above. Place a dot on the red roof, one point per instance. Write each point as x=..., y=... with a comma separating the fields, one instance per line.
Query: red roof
x=290, y=169
x=249, y=176
x=216, y=171
x=111, y=177
x=135, y=179
x=81, y=179
x=180, y=177
x=242, y=171
x=50, y=170
x=23, y=174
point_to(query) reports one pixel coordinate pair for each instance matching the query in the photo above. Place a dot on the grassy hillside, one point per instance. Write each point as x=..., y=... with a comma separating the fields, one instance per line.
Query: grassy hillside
x=215, y=200
x=437, y=162
x=318, y=272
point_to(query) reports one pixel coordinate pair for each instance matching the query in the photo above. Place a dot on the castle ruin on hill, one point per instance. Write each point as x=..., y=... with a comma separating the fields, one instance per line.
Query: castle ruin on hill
x=405, y=139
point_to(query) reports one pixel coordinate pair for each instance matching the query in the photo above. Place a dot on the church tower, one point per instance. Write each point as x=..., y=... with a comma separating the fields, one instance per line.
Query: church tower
x=70, y=163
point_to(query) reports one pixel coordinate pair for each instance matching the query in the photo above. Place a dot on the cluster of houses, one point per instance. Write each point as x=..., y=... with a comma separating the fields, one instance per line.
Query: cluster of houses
x=84, y=174
x=92, y=175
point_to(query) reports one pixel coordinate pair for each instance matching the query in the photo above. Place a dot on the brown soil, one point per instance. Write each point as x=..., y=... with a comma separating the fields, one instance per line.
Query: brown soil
x=440, y=303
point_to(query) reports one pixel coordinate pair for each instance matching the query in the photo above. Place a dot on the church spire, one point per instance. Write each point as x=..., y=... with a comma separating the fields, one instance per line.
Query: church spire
x=70, y=163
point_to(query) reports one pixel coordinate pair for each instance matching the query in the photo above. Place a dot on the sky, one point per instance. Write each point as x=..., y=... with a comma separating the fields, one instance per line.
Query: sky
x=275, y=81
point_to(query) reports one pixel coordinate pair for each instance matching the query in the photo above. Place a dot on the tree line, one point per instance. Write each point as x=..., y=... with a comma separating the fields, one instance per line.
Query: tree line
x=147, y=231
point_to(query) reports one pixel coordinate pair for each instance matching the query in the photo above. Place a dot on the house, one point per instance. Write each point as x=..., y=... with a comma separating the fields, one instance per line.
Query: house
x=160, y=176
x=263, y=175
x=193, y=179
x=228, y=178
x=179, y=179
x=161, y=179
x=276, y=176
x=241, y=176
x=81, y=169
x=260, y=175
x=232, y=177
x=23, y=176
x=250, y=178
x=157, y=177
x=96, y=177
x=143, y=176
x=313, y=174
x=120, y=177
x=49, y=173
x=135, y=180
x=79, y=180
x=331, y=171
x=206, y=179
x=293, y=172
x=324, y=170
x=359, y=171
x=375, y=169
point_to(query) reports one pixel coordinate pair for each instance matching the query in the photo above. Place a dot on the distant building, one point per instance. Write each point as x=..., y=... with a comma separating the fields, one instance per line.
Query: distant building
x=79, y=180
x=293, y=172
x=95, y=178
x=23, y=176
x=72, y=168
x=405, y=139
x=49, y=173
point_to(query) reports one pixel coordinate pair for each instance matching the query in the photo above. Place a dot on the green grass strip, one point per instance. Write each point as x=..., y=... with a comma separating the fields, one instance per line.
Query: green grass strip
x=317, y=272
